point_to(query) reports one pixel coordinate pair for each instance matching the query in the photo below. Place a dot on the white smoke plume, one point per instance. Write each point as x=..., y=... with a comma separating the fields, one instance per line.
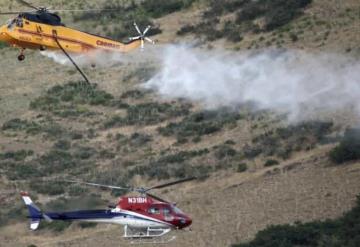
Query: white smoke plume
x=103, y=59
x=98, y=58
x=290, y=81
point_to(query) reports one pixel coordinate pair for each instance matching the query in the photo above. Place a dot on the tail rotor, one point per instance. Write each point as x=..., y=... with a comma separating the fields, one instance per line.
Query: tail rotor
x=142, y=36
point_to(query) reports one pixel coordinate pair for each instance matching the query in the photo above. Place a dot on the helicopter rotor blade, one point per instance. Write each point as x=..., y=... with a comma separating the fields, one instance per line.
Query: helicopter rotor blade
x=150, y=40
x=22, y=2
x=170, y=184
x=134, y=38
x=146, y=30
x=82, y=10
x=100, y=185
x=157, y=198
x=142, y=44
x=10, y=13
x=138, y=29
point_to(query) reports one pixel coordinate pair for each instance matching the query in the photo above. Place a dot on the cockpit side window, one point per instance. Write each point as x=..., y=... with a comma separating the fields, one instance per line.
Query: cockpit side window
x=154, y=210
x=19, y=22
x=11, y=23
x=166, y=211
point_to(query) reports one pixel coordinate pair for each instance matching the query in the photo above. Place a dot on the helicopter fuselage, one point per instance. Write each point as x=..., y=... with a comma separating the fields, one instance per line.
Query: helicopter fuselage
x=29, y=31
x=133, y=212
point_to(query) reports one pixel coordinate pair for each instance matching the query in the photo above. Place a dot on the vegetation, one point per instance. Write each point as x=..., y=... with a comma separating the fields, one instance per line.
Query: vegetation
x=147, y=114
x=242, y=167
x=283, y=141
x=3, y=45
x=47, y=187
x=224, y=151
x=200, y=123
x=16, y=155
x=17, y=124
x=348, y=149
x=156, y=8
x=12, y=213
x=251, y=16
x=271, y=162
x=344, y=232
x=175, y=165
x=64, y=100
x=50, y=129
x=55, y=226
x=127, y=12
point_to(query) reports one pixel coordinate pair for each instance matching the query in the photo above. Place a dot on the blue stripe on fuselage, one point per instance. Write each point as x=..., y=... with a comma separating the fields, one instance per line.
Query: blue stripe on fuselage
x=90, y=215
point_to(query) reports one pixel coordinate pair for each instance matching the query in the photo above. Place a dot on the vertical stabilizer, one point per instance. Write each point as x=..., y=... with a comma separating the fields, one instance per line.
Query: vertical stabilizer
x=34, y=212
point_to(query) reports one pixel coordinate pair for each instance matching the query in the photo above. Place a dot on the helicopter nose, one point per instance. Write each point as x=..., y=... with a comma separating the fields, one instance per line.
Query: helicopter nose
x=3, y=35
x=186, y=221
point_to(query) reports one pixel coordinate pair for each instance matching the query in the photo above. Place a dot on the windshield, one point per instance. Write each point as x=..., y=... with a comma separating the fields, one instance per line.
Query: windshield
x=177, y=210
x=11, y=23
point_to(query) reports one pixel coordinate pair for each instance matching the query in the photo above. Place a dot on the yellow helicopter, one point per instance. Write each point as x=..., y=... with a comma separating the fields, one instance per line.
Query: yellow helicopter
x=42, y=29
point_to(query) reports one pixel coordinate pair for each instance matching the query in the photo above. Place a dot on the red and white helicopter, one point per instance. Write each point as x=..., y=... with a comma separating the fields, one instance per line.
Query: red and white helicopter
x=145, y=217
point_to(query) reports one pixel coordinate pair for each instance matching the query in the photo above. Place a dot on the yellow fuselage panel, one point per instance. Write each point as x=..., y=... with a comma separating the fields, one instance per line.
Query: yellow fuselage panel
x=34, y=35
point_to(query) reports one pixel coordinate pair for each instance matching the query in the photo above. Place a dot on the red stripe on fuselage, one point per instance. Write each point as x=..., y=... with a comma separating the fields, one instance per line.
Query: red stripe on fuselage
x=58, y=37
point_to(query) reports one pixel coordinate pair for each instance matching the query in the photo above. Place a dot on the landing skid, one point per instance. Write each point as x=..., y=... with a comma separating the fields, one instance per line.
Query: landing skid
x=148, y=235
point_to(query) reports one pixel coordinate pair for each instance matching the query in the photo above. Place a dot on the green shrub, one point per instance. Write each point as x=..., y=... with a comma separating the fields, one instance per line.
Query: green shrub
x=126, y=14
x=275, y=13
x=76, y=190
x=284, y=140
x=271, y=162
x=147, y=114
x=47, y=187
x=134, y=94
x=17, y=155
x=242, y=167
x=50, y=129
x=348, y=149
x=344, y=232
x=55, y=226
x=17, y=124
x=186, y=29
x=159, y=8
x=56, y=161
x=224, y=151
x=62, y=144
x=232, y=32
x=106, y=154
x=22, y=171
x=181, y=156
x=175, y=165
x=294, y=37
x=64, y=100
x=139, y=139
x=201, y=123
x=3, y=45
x=84, y=153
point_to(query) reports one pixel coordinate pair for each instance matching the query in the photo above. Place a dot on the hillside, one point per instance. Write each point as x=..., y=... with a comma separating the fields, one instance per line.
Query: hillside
x=257, y=166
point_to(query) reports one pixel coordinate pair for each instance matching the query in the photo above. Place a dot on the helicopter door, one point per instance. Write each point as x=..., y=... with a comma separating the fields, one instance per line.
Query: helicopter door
x=39, y=29
x=39, y=37
x=167, y=214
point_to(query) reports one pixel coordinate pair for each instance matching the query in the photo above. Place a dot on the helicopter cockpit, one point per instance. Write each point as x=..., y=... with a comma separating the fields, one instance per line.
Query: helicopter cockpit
x=14, y=22
x=38, y=17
